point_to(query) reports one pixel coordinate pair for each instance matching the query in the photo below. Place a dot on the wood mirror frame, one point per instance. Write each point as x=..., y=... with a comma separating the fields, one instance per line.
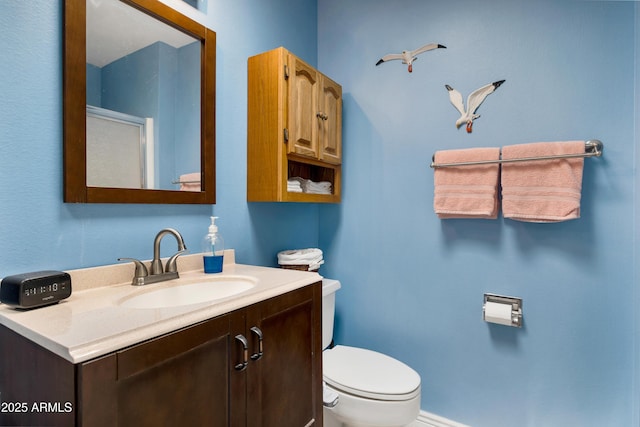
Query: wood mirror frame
x=74, y=117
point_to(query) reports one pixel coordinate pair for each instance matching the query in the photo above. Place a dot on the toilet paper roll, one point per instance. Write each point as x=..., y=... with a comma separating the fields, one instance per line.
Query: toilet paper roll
x=496, y=312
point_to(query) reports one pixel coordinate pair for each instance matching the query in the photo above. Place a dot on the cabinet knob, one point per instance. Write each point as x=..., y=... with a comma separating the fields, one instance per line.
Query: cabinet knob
x=257, y=355
x=245, y=353
x=321, y=115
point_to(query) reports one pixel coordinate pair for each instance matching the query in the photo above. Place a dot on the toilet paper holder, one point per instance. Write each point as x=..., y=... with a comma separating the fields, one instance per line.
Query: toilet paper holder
x=514, y=318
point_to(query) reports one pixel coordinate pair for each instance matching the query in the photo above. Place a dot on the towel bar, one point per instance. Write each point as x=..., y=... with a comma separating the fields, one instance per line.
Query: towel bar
x=592, y=148
x=185, y=182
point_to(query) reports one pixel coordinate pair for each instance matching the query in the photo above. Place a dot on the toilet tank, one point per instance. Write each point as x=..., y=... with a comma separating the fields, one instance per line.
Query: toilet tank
x=329, y=288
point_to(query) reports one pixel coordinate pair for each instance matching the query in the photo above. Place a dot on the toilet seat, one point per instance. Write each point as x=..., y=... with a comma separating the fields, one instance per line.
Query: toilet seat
x=369, y=374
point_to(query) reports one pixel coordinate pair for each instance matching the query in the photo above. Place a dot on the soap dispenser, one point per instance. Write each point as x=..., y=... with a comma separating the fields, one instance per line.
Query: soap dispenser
x=213, y=249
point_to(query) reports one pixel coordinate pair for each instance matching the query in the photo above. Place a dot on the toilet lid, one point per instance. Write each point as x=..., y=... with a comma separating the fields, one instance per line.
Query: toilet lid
x=369, y=374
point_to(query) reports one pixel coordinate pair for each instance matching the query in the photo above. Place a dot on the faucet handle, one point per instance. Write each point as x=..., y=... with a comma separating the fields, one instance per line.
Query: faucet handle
x=140, y=273
x=171, y=266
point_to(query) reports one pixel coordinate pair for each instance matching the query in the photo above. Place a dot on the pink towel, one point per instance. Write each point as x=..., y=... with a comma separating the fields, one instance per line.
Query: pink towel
x=542, y=190
x=190, y=182
x=466, y=191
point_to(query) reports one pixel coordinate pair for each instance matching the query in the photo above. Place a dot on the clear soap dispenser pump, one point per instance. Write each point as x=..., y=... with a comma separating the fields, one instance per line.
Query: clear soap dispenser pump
x=213, y=249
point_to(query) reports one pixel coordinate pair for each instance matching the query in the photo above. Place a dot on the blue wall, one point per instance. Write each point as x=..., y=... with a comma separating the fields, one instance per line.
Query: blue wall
x=413, y=285
x=187, y=123
x=94, y=85
x=39, y=231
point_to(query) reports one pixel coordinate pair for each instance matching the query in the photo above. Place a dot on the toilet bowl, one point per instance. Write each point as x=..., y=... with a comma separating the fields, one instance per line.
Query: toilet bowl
x=372, y=389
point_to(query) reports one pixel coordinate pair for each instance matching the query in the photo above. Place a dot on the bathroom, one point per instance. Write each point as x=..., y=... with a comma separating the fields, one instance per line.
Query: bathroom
x=412, y=284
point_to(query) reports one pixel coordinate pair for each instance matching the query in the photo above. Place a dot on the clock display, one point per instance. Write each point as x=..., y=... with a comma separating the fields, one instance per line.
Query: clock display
x=44, y=289
x=36, y=289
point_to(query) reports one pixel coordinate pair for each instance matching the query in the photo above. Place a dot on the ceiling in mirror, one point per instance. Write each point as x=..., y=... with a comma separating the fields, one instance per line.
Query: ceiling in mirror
x=115, y=30
x=201, y=5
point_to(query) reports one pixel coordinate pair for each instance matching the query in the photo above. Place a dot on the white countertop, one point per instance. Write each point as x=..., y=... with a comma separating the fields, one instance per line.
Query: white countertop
x=90, y=323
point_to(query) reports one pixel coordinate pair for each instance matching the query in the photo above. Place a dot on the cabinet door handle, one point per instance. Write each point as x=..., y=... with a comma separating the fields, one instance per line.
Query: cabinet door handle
x=245, y=353
x=257, y=355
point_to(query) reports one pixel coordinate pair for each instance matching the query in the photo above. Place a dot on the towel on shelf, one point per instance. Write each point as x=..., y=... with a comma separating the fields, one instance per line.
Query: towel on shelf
x=311, y=257
x=466, y=191
x=542, y=190
x=322, y=187
x=301, y=185
x=190, y=181
x=294, y=185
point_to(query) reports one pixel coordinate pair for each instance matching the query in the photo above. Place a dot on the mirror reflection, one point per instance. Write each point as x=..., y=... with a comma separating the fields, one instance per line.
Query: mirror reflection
x=143, y=91
x=201, y=5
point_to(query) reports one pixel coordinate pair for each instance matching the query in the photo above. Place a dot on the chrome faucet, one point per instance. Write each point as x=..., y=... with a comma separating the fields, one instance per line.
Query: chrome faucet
x=156, y=264
x=158, y=274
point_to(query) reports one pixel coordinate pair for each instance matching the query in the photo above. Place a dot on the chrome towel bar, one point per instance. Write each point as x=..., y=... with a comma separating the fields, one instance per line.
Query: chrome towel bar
x=185, y=182
x=592, y=148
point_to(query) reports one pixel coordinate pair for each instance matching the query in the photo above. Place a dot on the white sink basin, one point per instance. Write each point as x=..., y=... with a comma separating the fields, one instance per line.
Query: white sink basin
x=193, y=292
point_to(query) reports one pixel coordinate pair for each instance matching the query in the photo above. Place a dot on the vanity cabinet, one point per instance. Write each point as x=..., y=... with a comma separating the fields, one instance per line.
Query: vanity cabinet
x=177, y=379
x=294, y=128
x=283, y=385
x=256, y=367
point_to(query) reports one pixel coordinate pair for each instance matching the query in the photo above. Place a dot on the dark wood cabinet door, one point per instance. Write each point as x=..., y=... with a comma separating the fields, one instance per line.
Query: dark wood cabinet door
x=178, y=379
x=36, y=386
x=284, y=384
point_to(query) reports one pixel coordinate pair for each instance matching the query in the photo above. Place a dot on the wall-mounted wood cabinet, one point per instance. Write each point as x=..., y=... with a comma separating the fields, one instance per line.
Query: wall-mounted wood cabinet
x=294, y=129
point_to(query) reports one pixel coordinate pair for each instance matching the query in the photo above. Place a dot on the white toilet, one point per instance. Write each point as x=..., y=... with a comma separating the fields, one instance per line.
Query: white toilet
x=363, y=388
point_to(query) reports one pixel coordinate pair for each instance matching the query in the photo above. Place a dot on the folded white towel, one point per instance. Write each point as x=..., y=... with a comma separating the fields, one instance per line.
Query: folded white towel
x=298, y=185
x=323, y=187
x=300, y=256
x=294, y=185
x=321, y=184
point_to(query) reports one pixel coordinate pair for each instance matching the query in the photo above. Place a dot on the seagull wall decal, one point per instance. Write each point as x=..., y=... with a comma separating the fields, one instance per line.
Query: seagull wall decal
x=408, y=56
x=473, y=102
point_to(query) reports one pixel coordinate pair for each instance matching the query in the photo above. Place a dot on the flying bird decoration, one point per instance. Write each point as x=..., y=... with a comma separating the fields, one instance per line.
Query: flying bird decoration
x=408, y=56
x=473, y=102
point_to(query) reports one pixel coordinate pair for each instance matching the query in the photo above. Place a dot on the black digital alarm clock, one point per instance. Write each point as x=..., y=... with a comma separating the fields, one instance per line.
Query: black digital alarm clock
x=36, y=289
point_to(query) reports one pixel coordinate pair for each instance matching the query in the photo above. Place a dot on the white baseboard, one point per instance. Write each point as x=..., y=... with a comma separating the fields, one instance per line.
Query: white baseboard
x=426, y=419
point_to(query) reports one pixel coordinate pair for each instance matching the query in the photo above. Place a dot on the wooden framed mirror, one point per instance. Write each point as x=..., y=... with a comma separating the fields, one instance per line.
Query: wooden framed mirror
x=139, y=109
